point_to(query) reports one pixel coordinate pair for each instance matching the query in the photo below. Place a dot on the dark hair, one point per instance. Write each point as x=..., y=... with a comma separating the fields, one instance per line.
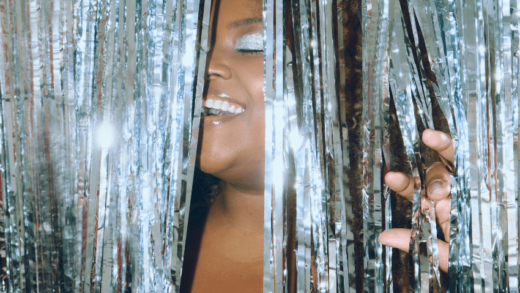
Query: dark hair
x=205, y=190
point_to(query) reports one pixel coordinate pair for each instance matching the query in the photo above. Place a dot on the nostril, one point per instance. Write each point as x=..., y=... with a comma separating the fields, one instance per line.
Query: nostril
x=216, y=70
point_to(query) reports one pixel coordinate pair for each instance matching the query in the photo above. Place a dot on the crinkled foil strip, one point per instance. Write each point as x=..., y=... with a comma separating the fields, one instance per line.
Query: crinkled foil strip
x=100, y=104
x=451, y=101
x=472, y=55
x=98, y=141
x=334, y=145
x=405, y=85
x=404, y=88
x=276, y=125
x=410, y=92
x=345, y=261
x=442, y=52
x=474, y=77
x=377, y=20
x=512, y=199
x=304, y=146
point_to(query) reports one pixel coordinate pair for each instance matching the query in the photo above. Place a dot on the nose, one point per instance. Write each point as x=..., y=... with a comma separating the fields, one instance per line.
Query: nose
x=217, y=67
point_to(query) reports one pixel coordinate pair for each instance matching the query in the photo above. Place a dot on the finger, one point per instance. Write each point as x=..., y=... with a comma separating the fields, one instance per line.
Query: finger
x=426, y=206
x=440, y=142
x=438, y=182
x=397, y=238
x=442, y=213
x=443, y=219
x=401, y=183
x=444, y=250
x=400, y=238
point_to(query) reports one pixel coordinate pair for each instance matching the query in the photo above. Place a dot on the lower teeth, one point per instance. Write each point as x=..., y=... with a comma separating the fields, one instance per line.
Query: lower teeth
x=214, y=112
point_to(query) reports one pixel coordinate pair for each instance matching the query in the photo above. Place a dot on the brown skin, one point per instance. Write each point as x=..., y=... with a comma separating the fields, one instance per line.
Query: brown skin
x=230, y=258
x=231, y=251
x=435, y=174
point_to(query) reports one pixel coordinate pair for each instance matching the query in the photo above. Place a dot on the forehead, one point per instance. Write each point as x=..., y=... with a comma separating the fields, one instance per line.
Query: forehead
x=235, y=10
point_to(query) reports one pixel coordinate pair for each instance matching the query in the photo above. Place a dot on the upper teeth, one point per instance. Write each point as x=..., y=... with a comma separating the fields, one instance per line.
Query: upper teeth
x=223, y=105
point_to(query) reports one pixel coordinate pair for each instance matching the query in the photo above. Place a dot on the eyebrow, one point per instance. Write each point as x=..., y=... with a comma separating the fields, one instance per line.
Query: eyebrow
x=241, y=22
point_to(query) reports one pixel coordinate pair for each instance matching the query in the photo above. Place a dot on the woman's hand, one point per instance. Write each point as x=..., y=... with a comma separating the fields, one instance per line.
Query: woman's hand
x=437, y=189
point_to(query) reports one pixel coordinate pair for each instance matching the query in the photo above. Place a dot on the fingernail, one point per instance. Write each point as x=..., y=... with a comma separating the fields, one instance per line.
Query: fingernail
x=435, y=186
x=444, y=136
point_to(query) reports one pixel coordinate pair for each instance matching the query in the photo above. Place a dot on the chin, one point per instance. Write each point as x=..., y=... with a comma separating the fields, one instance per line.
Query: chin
x=212, y=161
x=245, y=173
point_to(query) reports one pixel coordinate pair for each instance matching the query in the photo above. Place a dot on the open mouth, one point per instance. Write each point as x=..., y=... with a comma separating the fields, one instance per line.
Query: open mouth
x=220, y=108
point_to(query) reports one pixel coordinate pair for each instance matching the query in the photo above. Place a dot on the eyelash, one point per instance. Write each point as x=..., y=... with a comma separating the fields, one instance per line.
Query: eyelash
x=249, y=52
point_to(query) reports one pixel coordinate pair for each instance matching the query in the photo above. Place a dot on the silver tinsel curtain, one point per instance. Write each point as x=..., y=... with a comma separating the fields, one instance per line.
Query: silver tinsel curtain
x=100, y=110
x=98, y=142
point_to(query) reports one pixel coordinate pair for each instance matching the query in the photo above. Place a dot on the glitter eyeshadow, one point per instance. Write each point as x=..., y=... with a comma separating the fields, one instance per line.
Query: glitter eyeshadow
x=251, y=42
x=100, y=119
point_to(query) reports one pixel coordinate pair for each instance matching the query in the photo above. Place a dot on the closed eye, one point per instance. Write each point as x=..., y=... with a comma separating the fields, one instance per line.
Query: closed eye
x=250, y=44
x=250, y=52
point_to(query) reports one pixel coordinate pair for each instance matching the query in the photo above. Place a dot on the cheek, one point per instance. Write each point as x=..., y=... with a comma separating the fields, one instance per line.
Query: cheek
x=252, y=76
x=240, y=145
x=253, y=80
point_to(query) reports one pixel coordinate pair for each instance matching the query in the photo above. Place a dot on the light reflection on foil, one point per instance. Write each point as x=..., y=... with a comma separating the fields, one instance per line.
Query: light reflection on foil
x=512, y=201
x=304, y=165
x=272, y=261
x=98, y=141
x=471, y=48
x=402, y=86
x=377, y=20
x=307, y=134
x=344, y=214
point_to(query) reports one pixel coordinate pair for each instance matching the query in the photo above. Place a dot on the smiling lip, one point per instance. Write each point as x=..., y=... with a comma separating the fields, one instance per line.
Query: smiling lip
x=228, y=107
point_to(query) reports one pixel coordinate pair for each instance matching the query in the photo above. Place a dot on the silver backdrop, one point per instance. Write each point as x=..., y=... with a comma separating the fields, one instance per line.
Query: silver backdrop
x=100, y=103
x=98, y=142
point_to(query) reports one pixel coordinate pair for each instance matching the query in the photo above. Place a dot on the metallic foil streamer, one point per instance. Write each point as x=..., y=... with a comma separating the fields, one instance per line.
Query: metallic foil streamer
x=475, y=67
x=344, y=214
x=100, y=117
x=384, y=278
x=322, y=147
x=438, y=24
x=276, y=125
x=497, y=196
x=403, y=87
x=312, y=184
x=508, y=158
x=308, y=168
x=500, y=133
x=513, y=205
x=383, y=264
x=303, y=145
x=471, y=48
x=377, y=19
x=473, y=74
x=345, y=261
x=334, y=148
x=323, y=60
x=100, y=104
x=424, y=227
x=388, y=278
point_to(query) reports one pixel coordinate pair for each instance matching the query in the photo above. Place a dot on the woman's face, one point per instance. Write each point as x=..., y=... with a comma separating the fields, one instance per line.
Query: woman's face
x=232, y=146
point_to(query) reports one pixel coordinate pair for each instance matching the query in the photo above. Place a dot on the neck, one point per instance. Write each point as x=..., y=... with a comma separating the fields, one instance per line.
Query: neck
x=239, y=209
x=235, y=225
